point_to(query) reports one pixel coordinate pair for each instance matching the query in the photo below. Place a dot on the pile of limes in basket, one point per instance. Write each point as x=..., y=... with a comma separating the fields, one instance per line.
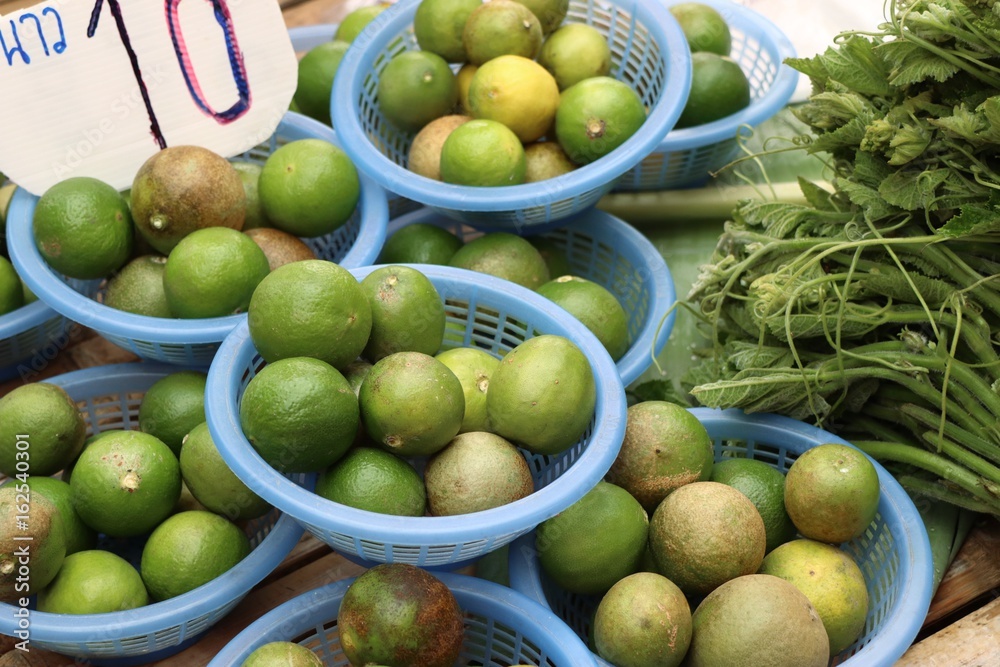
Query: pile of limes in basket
x=753, y=551
x=196, y=233
x=123, y=518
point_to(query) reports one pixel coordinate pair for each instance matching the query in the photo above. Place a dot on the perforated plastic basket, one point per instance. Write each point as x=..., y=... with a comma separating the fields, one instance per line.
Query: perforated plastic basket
x=648, y=51
x=606, y=250
x=29, y=337
x=894, y=553
x=109, y=398
x=188, y=341
x=687, y=155
x=482, y=311
x=502, y=627
x=308, y=36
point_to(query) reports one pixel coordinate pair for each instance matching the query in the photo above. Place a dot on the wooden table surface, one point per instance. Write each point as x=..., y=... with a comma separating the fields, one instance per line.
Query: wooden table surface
x=962, y=628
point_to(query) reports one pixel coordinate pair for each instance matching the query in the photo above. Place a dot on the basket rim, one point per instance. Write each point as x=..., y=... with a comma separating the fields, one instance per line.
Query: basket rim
x=305, y=37
x=302, y=608
x=62, y=298
x=652, y=336
x=26, y=317
x=358, y=63
x=759, y=110
x=98, y=628
x=237, y=352
x=915, y=572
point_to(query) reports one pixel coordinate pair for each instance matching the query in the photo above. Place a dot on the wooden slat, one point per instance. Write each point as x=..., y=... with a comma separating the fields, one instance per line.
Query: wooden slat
x=973, y=641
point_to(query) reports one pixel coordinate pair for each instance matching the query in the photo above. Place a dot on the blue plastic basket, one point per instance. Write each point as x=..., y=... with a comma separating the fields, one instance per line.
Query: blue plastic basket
x=502, y=627
x=609, y=251
x=29, y=337
x=894, y=553
x=187, y=341
x=109, y=398
x=308, y=36
x=482, y=311
x=686, y=156
x=648, y=51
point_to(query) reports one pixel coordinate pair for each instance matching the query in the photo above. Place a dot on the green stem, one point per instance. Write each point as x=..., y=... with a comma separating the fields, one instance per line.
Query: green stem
x=989, y=473
x=937, y=491
x=963, y=437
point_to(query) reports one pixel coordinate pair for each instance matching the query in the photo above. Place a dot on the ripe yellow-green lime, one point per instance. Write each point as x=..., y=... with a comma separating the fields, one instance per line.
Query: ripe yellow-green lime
x=356, y=20
x=11, y=293
x=832, y=493
x=82, y=228
x=376, y=481
x=464, y=79
x=704, y=534
x=643, y=621
x=545, y=160
x=44, y=533
x=415, y=88
x=831, y=580
x=93, y=582
x=550, y=13
x=517, y=92
x=309, y=188
x=595, y=542
x=596, y=307
x=213, y=272
x=483, y=153
x=138, y=288
x=764, y=485
x=124, y=484
x=188, y=550
x=41, y=419
x=503, y=255
x=501, y=27
x=704, y=27
x=665, y=447
x=79, y=536
x=596, y=116
x=317, y=70
x=181, y=189
x=255, y=215
x=575, y=52
x=282, y=654
x=280, y=247
x=424, y=156
x=173, y=406
x=719, y=88
x=542, y=395
x=420, y=243
x=473, y=367
x=212, y=483
x=438, y=27
x=312, y=308
x=407, y=312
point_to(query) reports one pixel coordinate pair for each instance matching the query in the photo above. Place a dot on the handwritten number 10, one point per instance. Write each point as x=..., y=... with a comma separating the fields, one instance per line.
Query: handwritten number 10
x=223, y=17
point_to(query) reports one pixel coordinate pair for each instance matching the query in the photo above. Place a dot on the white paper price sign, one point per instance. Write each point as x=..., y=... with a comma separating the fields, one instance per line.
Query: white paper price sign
x=94, y=87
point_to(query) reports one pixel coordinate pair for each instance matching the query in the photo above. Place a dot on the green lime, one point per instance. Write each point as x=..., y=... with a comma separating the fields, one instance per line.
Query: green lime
x=473, y=368
x=41, y=430
x=554, y=255
x=93, y=582
x=483, y=153
x=575, y=52
x=438, y=26
x=79, y=536
x=188, y=550
x=596, y=307
x=11, y=293
x=503, y=255
x=213, y=272
x=517, y=92
x=317, y=69
x=249, y=173
x=356, y=20
x=173, y=406
x=83, y=228
x=212, y=483
x=125, y=484
x=33, y=526
x=309, y=188
x=719, y=88
x=704, y=27
x=464, y=80
x=424, y=156
x=407, y=312
x=138, y=288
x=376, y=481
x=300, y=414
x=282, y=654
x=415, y=88
x=596, y=116
x=312, y=308
x=595, y=542
x=420, y=243
x=764, y=485
x=545, y=160
x=501, y=27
